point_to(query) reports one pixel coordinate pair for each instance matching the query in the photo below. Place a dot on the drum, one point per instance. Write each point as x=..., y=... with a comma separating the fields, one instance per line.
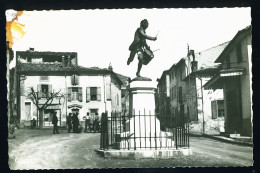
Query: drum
x=148, y=56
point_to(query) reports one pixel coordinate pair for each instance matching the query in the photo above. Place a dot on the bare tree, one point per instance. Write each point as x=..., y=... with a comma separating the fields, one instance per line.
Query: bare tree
x=34, y=97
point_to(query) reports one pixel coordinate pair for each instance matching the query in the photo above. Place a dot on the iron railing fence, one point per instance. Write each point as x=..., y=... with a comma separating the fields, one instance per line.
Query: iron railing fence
x=143, y=131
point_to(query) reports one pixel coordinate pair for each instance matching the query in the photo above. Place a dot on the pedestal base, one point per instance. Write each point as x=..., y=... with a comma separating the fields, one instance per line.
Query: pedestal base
x=137, y=154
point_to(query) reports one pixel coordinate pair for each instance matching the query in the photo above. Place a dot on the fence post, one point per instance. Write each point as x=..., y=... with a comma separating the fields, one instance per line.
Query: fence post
x=144, y=128
x=155, y=132
x=134, y=132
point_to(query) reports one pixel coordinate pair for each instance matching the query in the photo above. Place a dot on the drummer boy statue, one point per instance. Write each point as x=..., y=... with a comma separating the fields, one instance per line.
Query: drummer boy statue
x=139, y=44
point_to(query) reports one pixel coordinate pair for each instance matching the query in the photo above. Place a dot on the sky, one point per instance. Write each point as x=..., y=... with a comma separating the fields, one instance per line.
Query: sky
x=101, y=37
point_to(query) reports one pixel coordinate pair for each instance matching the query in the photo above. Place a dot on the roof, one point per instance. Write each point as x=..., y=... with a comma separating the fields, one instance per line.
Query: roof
x=36, y=68
x=123, y=78
x=45, y=53
x=216, y=82
x=206, y=58
x=207, y=72
x=56, y=67
x=163, y=74
x=240, y=35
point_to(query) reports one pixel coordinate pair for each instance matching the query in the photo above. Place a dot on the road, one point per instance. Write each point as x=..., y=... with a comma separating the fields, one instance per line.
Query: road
x=40, y=149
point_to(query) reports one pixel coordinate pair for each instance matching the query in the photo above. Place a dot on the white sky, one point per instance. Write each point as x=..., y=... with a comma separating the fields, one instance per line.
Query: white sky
x=103, y=36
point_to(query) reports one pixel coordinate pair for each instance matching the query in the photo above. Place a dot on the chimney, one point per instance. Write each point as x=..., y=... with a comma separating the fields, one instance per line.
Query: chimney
x=64, y=62
x=194, y=64
x=110, y=67
x=192, y=54
x=76, y=59
x=69, y=61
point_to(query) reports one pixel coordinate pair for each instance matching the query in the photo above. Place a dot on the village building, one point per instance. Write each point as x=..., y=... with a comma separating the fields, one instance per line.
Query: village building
x=163, y=96
x=183, y=91
x=234, y=77
x=124, y=93
x=83, y=90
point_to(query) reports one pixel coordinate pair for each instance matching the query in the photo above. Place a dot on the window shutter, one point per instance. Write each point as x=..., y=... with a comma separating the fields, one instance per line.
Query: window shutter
x=76, y=78
x=87, y=94
x=98, y=94
x=69, y=94
x=214, y=109
x=72, y=80
x=49, y=90
x=80, y=94
x=39, y=91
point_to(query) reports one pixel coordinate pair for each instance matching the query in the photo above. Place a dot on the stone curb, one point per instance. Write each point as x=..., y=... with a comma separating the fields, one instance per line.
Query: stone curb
x=228, y=140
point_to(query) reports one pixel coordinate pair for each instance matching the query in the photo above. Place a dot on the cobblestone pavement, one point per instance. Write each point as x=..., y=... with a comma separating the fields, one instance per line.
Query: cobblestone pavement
x=40, y=149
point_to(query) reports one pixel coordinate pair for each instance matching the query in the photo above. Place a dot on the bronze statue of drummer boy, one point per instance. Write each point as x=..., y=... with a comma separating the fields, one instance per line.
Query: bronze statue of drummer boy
x=139, y=44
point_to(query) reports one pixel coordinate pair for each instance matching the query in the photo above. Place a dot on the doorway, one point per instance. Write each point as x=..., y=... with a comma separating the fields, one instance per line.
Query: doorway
x=48, y=115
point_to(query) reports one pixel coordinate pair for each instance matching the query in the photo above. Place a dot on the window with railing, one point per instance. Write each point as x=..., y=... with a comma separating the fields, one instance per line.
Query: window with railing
x=44, y=90
x=75, y=94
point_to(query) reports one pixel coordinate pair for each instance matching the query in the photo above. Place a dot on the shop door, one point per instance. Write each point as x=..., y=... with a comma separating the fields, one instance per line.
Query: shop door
x=233, y=111
x=28, y=111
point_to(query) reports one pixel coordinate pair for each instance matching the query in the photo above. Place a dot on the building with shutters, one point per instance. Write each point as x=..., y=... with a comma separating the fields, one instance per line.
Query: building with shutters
x=234, y=77
x=181, y=93
x=92, y=89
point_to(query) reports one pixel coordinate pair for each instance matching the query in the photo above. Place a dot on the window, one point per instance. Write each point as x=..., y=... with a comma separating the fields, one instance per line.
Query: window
x=44, y=78
x=44, y=90
x=75, y=94
x=93, y=94
x=239, y=53
x=180, y=94
x=117, y=99
x=74, y=79
x=217, y=108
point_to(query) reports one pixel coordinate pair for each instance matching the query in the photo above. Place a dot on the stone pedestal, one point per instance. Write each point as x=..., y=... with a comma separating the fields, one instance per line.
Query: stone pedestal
x=143, y=128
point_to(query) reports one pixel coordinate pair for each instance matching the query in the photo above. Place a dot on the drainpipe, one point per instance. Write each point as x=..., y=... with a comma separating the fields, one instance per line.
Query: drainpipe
x=66, y=98
x=104, y=83
x=203, y=123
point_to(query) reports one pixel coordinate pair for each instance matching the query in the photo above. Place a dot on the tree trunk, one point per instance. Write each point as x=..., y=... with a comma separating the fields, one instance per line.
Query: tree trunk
x=40, y=118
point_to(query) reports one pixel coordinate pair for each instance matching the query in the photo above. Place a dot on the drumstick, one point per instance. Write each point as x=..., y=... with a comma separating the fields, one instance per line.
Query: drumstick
x=156, y=50
x=157, y=34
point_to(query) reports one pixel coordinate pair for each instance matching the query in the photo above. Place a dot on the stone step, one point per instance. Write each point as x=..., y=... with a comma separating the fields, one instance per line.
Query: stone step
x=142, y=144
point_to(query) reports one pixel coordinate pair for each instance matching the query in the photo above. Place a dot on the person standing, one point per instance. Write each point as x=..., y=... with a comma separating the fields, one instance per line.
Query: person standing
x=87, y=122
x=104, y=132
x=55, y=122
x=33, y=123
x=69, y=122
x=75, y=122
x=11, y=130
x=96, y=122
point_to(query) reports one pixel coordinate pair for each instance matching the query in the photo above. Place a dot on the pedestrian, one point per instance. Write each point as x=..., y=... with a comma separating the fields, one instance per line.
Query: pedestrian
x=33, y=123
x=96, y=122
x=104, y=132
x=75, y=122
x=54, y=122
x=11, y=130
x=87, y=122
x=69, y=118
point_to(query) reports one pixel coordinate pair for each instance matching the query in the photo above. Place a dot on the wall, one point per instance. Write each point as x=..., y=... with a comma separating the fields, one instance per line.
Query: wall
x=245, y=82
x=211, y=126
x=58, y=83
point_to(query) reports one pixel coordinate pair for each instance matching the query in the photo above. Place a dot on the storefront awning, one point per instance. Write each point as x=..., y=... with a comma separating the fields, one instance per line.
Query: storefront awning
x=75, y=106
x=216, y=82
